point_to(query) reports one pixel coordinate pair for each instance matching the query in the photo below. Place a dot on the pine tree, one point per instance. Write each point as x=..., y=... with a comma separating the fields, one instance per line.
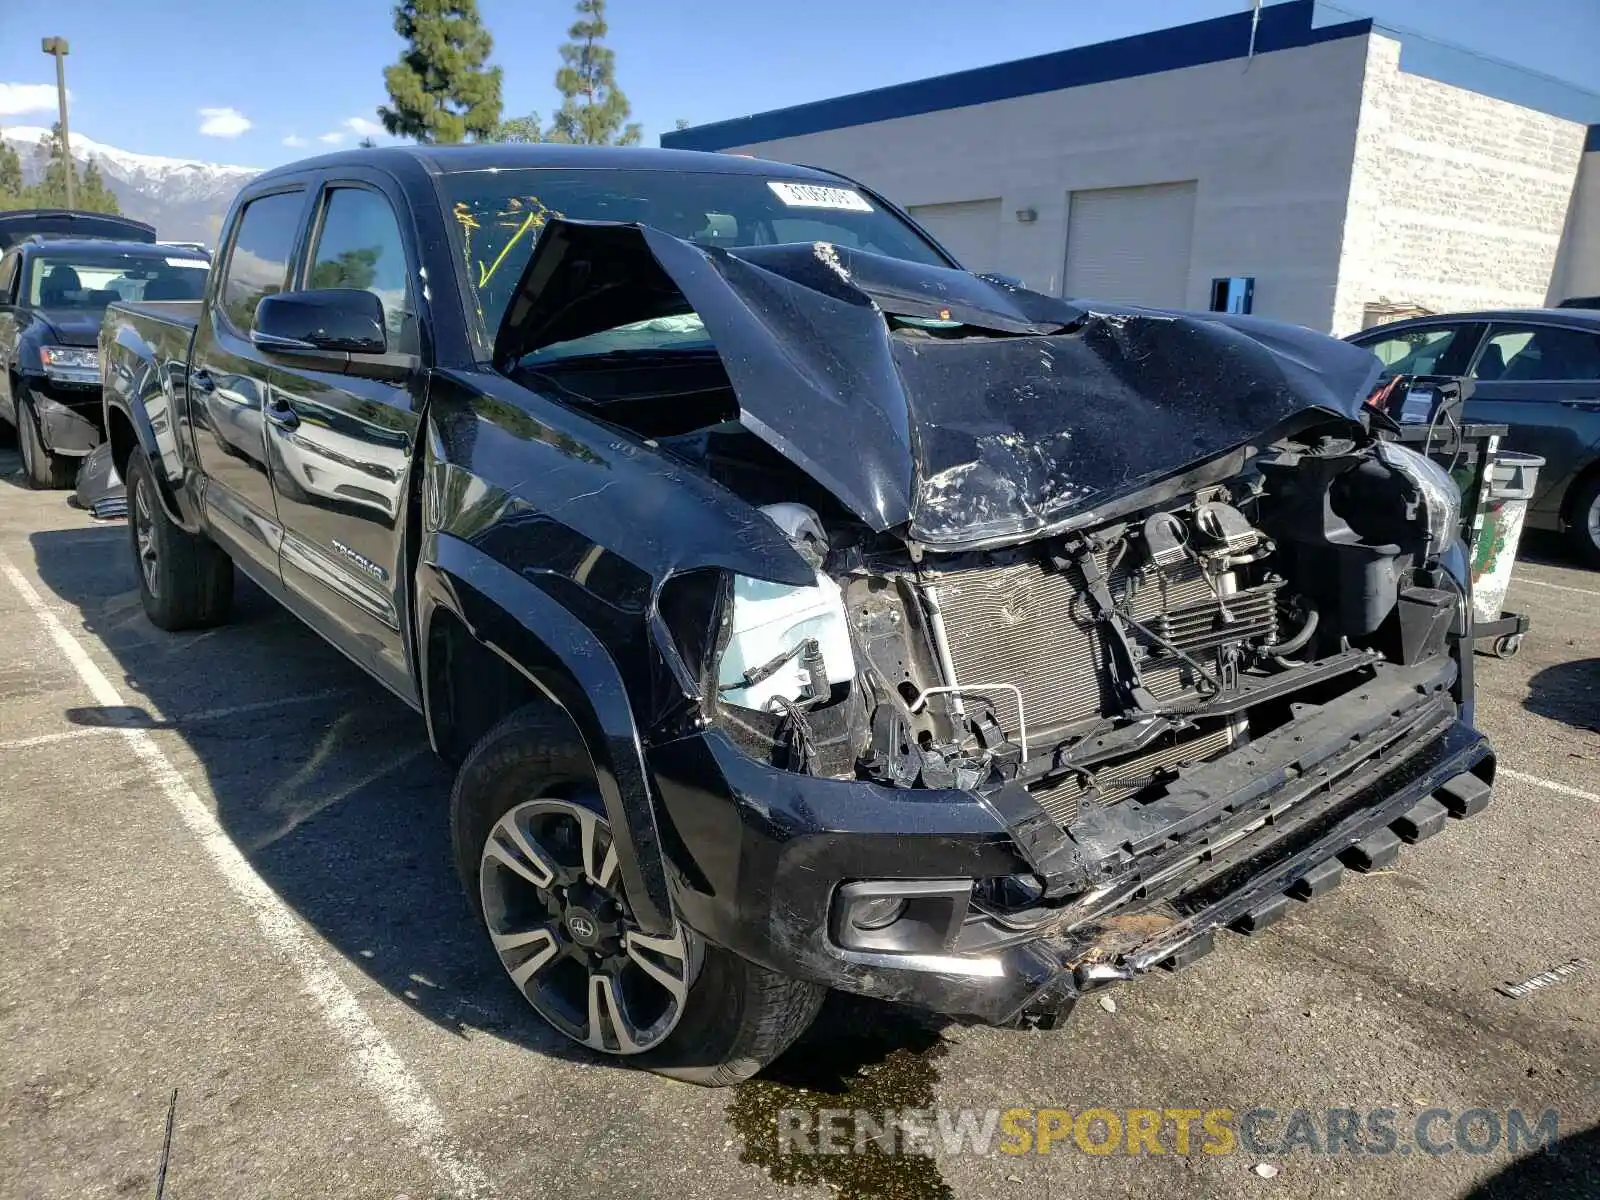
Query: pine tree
x=93, y=195
x=51, y=190
x=11, y=187
x=440, y=90
x=593, y=112
x=520, y=129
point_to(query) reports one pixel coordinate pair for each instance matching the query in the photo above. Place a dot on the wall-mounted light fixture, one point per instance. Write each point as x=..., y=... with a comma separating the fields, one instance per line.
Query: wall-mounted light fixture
x=1027, y=215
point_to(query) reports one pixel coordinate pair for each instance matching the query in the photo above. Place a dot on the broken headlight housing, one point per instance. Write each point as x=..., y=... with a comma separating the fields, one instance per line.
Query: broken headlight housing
x=785, y=645
x=1439, y=498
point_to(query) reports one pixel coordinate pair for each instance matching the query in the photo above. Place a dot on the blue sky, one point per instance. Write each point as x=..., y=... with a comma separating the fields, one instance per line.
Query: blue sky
x=230, y=81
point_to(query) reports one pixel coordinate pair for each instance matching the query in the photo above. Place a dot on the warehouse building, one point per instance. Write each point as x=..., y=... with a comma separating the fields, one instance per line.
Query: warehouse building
x=1302, y=170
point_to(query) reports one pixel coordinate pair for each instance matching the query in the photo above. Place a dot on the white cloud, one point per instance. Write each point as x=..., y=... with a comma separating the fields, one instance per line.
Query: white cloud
x=362, y=127
x=294, y=139
x=223, y=122
x=19, y=98
x=331, y=139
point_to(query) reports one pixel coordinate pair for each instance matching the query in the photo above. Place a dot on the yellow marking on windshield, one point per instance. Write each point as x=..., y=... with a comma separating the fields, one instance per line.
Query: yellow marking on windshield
x=532, y=220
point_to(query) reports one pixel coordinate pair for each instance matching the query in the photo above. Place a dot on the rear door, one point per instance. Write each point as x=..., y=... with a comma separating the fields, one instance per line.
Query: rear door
x=1543, y=382
x=341, y=446
x=228, y=378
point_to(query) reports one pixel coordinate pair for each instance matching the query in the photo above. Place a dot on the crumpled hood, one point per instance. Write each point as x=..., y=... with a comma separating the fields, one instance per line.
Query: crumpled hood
x=72, y=326
x=1036, y=409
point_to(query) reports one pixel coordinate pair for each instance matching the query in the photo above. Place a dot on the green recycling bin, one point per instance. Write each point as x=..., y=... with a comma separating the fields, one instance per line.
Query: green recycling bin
x=1512, y=480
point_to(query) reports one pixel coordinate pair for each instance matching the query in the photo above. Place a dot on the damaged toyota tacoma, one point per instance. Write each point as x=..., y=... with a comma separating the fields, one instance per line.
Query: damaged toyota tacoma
x=802, y=610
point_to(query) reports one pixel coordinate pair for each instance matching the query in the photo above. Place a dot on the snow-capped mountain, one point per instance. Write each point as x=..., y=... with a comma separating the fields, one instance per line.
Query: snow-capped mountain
x=186, y=201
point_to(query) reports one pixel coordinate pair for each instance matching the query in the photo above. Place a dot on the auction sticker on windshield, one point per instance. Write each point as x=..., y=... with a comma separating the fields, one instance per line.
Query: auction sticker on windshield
x=811, y=195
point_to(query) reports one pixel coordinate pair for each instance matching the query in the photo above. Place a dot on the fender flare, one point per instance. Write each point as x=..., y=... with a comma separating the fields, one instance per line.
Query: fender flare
x=145, y=436
x=561, y=657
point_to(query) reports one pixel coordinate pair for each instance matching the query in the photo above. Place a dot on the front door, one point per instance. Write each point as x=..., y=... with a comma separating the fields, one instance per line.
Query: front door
x=341, y=446
x=228, y=383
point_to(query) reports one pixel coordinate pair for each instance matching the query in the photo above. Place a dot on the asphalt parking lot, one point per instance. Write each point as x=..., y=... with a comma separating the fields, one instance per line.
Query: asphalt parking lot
x=224, y=870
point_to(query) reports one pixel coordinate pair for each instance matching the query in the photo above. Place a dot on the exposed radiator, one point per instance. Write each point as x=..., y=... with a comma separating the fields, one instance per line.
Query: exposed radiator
x=1026, y=625
x=1118, y=780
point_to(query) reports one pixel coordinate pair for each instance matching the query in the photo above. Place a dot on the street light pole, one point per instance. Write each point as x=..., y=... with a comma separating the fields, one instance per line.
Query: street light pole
x=57, y=49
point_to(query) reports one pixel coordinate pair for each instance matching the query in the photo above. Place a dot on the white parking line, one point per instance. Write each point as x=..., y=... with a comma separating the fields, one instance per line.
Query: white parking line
x=379, y=1066
x=1556, y=587
x=194, y=718
x=1550, y=784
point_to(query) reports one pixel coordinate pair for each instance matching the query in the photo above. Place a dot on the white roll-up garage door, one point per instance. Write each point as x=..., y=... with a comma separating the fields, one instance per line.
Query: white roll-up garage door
x=1131, y=244
x=969, y=229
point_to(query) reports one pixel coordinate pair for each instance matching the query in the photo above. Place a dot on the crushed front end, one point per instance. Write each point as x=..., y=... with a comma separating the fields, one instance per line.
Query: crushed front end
x=986, y=781
x=1105, y=630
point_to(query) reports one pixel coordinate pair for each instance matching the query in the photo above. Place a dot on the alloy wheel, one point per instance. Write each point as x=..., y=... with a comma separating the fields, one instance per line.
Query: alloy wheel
x=552, y=897
x=144, y=536
x=1592, y=519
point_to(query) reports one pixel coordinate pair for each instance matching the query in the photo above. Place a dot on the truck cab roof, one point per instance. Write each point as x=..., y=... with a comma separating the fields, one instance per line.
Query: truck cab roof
x=502, y=156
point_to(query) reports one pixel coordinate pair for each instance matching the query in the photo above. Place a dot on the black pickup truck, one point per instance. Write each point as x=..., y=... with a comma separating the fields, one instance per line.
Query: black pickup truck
x=803, y=611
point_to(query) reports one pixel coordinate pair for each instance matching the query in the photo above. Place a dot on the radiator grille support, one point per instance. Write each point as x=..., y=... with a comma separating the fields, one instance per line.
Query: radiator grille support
x=1035, y=628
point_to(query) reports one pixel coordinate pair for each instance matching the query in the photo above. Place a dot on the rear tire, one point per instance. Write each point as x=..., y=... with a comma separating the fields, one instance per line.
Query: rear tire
x=1583, y=530
x=185, y=580
x=733, y=1018
x=42, y=470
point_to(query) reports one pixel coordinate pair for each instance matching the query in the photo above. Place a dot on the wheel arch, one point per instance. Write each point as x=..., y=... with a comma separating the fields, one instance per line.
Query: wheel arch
x=517, y=645
x=129, y=427
x=1581, y=478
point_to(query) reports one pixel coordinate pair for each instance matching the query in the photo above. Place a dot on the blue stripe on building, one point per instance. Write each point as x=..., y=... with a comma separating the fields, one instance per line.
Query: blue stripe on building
x=1283, y=27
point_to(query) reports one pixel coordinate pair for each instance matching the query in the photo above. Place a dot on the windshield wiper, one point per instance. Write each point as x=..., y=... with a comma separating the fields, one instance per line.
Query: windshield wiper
x=609, y=358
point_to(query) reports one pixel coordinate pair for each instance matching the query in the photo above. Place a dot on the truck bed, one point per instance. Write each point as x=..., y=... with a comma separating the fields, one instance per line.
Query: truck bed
x=183, y=313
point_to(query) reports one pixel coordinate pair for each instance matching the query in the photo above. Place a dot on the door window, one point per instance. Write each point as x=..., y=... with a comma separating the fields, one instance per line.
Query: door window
x=258, y=264
x=1415, y=351
x=1538, y=353
x=359, y=246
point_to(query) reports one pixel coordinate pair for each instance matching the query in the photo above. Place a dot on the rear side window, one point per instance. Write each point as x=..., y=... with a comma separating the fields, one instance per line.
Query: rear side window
x=258, y=264
x=1538, y=353
x=359, y=246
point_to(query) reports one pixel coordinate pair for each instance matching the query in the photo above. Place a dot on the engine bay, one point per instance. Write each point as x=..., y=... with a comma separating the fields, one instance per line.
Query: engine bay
x=1093, y=667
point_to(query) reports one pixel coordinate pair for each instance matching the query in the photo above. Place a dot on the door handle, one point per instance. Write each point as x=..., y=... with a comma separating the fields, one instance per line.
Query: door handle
x=281, y=414
x=200, y=379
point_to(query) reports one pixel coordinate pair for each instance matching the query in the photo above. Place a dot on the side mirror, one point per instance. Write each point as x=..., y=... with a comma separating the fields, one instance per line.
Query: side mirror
x=339, y=321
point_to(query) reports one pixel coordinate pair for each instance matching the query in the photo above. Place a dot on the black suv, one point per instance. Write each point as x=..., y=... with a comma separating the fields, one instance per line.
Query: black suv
x=59, y=271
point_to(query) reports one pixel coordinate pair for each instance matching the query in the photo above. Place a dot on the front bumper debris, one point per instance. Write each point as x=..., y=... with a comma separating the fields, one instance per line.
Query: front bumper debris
x=759, y=853
x=71, y=427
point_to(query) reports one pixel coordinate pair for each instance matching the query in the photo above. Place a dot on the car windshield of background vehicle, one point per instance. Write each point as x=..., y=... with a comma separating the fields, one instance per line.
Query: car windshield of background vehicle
x=498, y=216
x=90, y=281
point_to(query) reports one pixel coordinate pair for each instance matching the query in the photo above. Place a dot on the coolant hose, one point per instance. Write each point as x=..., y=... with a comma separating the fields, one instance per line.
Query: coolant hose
x=1298, y=642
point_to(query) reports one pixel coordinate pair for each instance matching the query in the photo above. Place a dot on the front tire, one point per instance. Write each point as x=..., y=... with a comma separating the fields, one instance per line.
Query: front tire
x=42, y=470
x=185, y=580
x=534, y=852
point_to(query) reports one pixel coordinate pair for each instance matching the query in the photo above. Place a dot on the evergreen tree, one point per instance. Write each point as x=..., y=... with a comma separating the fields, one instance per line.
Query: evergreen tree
x=93, y=195
x=51, y=190
x=593, y=112
x=520, y=129
x=11, y=188
x=440, y=90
